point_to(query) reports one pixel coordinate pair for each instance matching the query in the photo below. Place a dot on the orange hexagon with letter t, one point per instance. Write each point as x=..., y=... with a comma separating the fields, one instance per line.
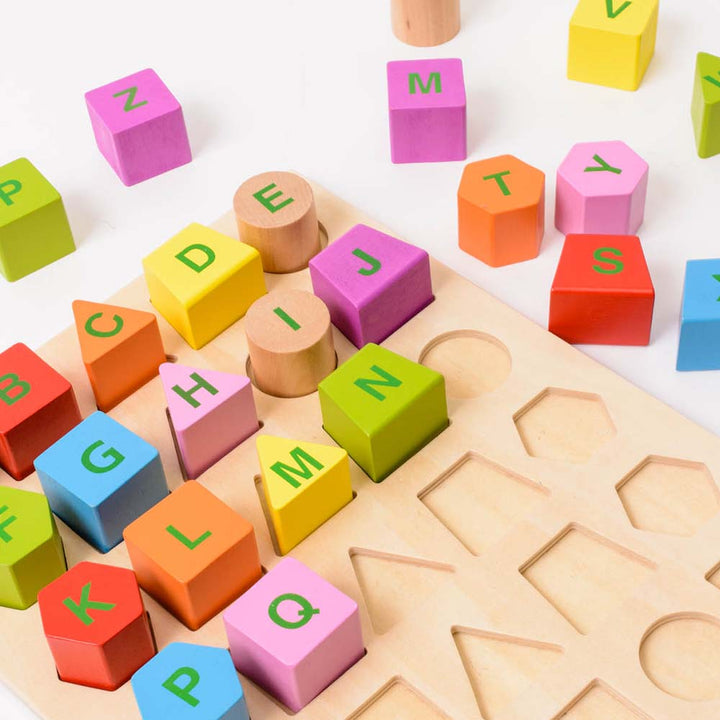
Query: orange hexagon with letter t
x=501, y=210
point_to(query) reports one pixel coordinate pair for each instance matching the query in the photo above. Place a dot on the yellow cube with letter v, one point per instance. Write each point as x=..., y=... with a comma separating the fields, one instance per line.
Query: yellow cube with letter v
x=382, y=408
x=202, y=281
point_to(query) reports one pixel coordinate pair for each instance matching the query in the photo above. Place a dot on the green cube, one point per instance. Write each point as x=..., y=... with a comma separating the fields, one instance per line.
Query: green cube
x=706, y=105
x=382, y=408
x=34, y=229
x=31, y=551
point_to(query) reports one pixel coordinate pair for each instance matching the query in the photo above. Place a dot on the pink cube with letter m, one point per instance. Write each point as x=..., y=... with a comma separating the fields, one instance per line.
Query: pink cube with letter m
x=139, y=126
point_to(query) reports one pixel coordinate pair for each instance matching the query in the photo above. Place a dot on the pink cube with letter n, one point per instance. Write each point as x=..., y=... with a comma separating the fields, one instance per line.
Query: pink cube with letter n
x=427, y=110
x=139, y=126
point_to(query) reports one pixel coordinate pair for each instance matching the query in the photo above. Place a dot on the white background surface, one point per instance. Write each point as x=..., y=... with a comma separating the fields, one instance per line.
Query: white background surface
x=300, y=84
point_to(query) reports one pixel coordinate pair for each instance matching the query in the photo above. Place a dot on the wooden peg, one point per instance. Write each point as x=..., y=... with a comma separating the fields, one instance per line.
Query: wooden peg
x=290, y=342
x=275, y=213
x=425, y=23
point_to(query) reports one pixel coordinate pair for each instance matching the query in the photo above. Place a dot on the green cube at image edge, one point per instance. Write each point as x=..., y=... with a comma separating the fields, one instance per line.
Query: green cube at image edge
x=382, y=408
x=31, y=551
x=34, y=229
x=706, y=105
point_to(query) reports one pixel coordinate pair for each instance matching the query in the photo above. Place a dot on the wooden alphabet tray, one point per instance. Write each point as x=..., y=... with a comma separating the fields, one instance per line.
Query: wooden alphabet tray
x=552, y=554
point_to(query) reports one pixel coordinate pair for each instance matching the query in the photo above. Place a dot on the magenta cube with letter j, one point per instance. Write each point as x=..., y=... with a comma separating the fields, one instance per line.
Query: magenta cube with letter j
x=427, y=110
x=293, y=633
x=139, y=126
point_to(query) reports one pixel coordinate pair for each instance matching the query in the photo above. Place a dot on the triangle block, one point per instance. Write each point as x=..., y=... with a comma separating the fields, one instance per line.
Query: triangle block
x=121, y=349
x=398, y=700
x=210, y=412
x=387, y=581
x=705, y=107
x=304, y=485
x=500, y=667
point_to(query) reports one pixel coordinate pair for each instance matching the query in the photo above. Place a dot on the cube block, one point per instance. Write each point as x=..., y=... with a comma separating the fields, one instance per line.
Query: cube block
x=189, y=682
x=121, y=349
x=202, y=281
x=31, y=551
x=501, y=210
x=706, y=105
x=304, y=484
x=602, y=292
x=37, y=407
x=601, y=189
x=100, y=477
x=211, y=413
x=139, y=126
x=611, y=43
x=427, y=110
x=34, y=229
x=293, y=633
x=193, y=553
x=372, y=283
x=699, y=347
x=96, y=625
x=382, y=408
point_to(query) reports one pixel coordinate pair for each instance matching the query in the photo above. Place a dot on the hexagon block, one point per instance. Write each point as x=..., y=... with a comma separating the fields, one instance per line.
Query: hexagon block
x=501, y=210
x=31, y=551
x=611, y=43
x=190, y=682
x=601, y=189
x=96, y=625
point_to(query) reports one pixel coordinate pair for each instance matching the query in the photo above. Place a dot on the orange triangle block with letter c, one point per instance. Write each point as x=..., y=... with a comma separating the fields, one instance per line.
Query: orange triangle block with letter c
x=121, y=349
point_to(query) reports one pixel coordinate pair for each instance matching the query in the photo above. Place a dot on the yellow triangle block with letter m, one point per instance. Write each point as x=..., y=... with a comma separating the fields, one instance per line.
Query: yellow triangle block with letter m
x=304, y=484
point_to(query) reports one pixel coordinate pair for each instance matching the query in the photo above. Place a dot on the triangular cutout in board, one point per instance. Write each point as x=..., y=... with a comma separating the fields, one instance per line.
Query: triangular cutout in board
x=387, y=581
x=501, y=667
x=599, y=701
x=399, y=700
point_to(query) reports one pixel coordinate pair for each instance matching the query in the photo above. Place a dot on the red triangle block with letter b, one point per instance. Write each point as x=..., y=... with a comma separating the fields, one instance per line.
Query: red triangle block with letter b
x=210, y=412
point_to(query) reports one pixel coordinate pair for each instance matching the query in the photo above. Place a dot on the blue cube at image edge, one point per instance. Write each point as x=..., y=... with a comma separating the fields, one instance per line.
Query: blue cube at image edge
x=99, y=478
x=189, y=682
x=699, y=346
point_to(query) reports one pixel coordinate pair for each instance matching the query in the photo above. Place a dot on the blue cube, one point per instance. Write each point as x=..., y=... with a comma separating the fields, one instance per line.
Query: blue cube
x=189, y=682
x=99, y=478
x=699, y=347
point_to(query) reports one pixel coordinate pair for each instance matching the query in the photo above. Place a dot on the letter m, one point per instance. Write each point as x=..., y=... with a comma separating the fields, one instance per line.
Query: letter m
x=415, y=82
x=302, y=470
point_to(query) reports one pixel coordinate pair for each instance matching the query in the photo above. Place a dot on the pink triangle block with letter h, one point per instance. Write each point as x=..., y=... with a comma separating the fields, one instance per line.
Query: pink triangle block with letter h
x=210, y=413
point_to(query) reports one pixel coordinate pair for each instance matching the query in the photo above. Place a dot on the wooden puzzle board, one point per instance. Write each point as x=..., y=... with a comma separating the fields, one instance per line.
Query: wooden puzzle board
x=498, y=572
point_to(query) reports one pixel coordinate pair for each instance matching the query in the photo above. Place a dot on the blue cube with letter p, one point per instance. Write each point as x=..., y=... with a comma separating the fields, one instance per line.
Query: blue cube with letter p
x=99, y=478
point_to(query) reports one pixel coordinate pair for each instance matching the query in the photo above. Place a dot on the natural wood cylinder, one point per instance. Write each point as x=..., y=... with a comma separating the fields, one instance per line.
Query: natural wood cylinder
x=424, y=23
x=290, y=341
x=275, y=213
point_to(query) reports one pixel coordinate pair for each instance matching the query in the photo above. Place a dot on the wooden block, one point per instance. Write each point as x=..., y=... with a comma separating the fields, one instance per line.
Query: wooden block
x=34, y=229
x=193, y=553
x=304, y=483
x=372, y=283
x=611, y=43
x=293, y=633
x=202, y=281
x=190, y=682
x=121, y=349
x=601, y=190
x=706, y=105
x=425, y=23
x=290, y=342
x=427, y=108
x=501, y=210
x=100, y=477
x=31, y=551
x=602, y=292
x=211, y=413
x=382, y=408
x=37, y=406
x=96, y=625
x=275, y=213
x=699, y=347
x=139, y=126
